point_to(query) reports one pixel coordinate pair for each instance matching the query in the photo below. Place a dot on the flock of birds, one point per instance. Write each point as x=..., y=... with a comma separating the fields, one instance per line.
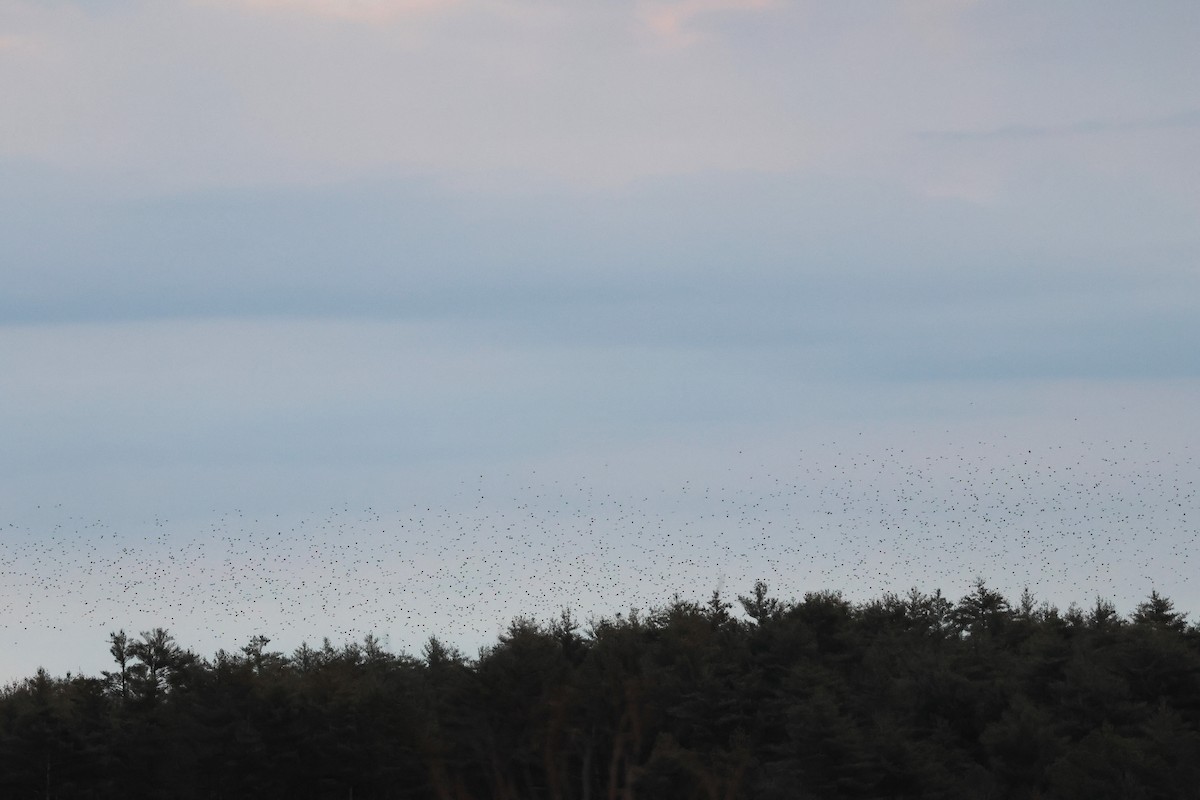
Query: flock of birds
x=1113, y=519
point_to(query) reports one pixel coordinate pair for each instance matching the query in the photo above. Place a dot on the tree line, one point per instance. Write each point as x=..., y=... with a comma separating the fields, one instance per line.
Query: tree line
x=911, y=696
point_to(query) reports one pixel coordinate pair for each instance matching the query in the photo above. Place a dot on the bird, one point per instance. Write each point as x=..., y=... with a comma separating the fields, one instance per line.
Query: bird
x=1070, y=519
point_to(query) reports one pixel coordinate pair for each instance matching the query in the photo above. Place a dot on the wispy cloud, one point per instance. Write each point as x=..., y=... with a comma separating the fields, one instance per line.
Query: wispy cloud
x=1189, y=118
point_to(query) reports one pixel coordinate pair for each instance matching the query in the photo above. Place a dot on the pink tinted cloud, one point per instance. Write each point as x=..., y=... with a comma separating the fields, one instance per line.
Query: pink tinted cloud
x=674, y=22
x=368, y=11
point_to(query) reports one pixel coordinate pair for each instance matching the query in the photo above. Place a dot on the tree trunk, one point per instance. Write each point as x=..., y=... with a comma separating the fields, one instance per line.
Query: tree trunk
x=586, y=771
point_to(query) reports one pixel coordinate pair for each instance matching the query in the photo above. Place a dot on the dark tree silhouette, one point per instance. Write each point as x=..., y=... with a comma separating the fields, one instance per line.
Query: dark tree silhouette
x=899, y=697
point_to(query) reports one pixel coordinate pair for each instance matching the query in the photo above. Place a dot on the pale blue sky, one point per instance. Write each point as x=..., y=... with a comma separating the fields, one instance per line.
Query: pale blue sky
x=265, y=257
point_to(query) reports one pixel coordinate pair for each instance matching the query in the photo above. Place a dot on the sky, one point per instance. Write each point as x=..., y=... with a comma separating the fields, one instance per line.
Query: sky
x=327, y=317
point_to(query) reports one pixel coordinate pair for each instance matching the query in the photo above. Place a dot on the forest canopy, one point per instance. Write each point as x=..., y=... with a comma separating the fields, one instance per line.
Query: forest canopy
x=898, y=697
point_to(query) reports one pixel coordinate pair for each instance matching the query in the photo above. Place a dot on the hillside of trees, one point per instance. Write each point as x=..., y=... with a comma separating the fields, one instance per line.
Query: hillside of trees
x=900, y=697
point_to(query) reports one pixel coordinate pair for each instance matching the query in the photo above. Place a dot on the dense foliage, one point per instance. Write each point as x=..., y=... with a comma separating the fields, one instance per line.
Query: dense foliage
x=899, y=697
